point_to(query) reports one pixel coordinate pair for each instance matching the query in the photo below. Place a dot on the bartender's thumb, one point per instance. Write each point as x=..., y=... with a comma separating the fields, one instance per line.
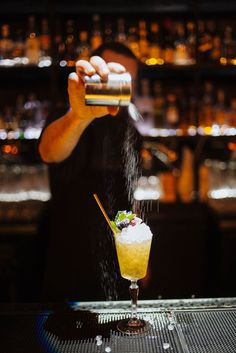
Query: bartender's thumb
x=73, y=84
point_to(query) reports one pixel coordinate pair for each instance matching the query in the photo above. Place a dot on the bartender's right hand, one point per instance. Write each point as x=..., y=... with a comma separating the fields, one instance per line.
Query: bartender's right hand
x=76, y=89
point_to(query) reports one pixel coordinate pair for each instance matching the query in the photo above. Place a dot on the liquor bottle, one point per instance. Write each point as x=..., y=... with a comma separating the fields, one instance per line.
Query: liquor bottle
x=205, y=42
x=6, y=43
x=204, y=181
x=211, y=30
x=143, y=42
x=172, y=111
x=168, y=50
x=145, y=106
x=168, y=183
x=108, y=32
x=96, y=36
x=216, y=49
x=227, y=45
x=70, y=43
x=206, y=116
x=2, y=123
x=59, y=45
x=18, y=52
x=32, y=111
x=45, y=40
x=133, y=40
x=83, y=49
x=182, y=103
x=19, y=109
x=186, y=178
x=220, y=111
x=121, y=33
x=145, y=101
x=216, y=41
x=9, y=119
x=32, y=43
x=232, y=113
x=192, y=111
x=191, y=41
x=181, y=52
x=155, y=46
x=159, y=105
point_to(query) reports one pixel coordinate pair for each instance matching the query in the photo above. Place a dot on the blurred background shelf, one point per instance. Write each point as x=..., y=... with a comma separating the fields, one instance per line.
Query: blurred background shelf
x=186, y=94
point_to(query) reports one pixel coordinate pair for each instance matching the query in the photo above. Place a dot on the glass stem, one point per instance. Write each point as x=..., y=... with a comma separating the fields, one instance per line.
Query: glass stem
x=134, y=290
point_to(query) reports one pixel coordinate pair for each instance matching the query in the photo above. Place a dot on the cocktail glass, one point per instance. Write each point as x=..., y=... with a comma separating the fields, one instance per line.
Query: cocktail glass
x=133, y=261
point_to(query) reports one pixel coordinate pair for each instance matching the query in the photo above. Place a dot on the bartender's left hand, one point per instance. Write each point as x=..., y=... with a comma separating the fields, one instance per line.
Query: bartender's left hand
x=76, y=89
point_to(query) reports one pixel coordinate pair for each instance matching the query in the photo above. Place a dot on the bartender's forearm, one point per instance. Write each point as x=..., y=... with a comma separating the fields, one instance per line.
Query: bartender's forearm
x=61, y=136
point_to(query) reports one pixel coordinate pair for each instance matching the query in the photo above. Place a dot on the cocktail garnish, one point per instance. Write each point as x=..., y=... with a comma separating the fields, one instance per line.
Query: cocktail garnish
x=123, y=219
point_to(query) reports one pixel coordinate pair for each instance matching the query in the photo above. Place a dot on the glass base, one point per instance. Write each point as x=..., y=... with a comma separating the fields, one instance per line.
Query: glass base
x=133, y=326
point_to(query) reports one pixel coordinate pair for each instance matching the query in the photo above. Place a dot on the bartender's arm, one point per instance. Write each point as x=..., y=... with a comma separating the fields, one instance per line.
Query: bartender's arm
x=61, y=136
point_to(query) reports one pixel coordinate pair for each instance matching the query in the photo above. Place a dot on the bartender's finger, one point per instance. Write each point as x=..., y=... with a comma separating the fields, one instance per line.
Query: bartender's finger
x=84, y=67
x=73, y=78
x=116, y=67
x=100, y=66
x=113, y=110
x=73, y=84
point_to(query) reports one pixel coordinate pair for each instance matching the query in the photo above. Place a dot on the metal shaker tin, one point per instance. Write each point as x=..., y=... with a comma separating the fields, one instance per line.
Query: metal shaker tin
x=115, y=91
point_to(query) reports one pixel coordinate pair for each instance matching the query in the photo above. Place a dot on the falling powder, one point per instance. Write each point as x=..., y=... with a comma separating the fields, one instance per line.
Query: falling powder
x=130, y=160
x=134, y=113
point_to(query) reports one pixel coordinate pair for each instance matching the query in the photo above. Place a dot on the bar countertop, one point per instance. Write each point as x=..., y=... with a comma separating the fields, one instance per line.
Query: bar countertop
x=176, y=326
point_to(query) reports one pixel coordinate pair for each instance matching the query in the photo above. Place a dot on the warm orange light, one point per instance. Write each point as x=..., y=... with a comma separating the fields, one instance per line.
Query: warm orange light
x=146, y=155
x=6, y=148
x=160, y=61
x=151, y=61
x=70, y=63
x=232, y=146
x=154, y=61
x=233, y=61
x=14, y=150
x=207, y=130
x=223, y=61
x=172, y=156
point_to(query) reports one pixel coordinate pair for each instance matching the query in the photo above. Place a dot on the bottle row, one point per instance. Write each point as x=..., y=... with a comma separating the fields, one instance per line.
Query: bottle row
x=214, y=112
x=154, y=42
x=25, y=119
x=165, y=110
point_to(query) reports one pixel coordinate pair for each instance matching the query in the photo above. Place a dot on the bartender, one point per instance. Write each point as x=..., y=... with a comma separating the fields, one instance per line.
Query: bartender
x=87, y=149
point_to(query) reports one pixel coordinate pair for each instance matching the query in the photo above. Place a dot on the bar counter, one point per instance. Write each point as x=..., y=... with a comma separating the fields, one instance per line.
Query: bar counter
x=176, y=326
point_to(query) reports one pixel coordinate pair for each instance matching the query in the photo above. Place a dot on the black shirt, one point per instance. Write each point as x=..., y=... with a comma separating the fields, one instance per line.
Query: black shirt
x=82, y=263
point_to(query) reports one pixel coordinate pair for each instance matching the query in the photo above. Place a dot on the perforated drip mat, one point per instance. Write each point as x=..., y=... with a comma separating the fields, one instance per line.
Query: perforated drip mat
x=210, y=331
x=81, y=328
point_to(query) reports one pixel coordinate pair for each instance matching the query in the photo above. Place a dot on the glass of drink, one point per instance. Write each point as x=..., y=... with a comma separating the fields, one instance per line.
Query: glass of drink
x=133, y=243
x=133, y=240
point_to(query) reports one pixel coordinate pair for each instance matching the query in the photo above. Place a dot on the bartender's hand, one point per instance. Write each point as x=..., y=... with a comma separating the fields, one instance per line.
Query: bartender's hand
x=76, y=89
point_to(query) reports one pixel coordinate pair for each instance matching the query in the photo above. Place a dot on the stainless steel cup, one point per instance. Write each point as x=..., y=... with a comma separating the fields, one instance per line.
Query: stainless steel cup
x=116, y=91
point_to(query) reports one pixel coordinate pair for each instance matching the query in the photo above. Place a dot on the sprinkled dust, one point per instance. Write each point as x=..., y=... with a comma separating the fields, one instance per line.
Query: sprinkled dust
x=131, y=172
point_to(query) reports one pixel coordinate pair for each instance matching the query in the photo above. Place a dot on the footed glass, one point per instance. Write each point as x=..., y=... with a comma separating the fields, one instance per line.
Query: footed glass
x=133, y=259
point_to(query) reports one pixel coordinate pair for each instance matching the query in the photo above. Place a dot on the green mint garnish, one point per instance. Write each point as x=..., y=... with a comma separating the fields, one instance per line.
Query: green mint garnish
x=122, y=215
x=114, y=227
x=122, y=220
